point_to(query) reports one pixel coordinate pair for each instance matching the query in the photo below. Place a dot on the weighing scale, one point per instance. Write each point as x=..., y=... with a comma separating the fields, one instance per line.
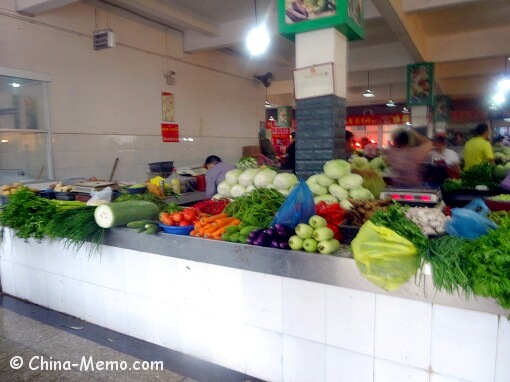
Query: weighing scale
x=191, y=170
x=413, y=196
x=88, y=187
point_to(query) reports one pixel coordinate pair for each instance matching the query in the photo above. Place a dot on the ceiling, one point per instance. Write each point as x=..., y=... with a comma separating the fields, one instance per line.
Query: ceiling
x=466, y=39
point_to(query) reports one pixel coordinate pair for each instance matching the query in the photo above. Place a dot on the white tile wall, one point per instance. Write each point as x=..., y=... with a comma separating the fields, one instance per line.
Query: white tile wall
x=35, y=256
x=303, y=360
x=226, y=293
x=402, y=330
x=385, y=371
x=227, y=343
x=350, y=319
x=263, y=354
x=434, y=377
x=55, y=292
x=343, y=365
x=6, y=247
x=93, y=303
x=73, y=297
x=137, y=273
x=139, y=317
x=7, y=277
x=262, y=298
x=196, y=333
x=503, y=354
x=37, y=285
x=164, y=276
x=52, y=257
x=167, y=325
x=464, y=343
x=111, y=264
x=194, y=284
x=304, y=309
x=71, y=263
x=115, y=310
x=19, y=252
x=21, y=281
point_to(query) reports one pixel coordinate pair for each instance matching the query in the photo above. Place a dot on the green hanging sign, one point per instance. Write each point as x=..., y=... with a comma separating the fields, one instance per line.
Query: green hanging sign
x=296, y=16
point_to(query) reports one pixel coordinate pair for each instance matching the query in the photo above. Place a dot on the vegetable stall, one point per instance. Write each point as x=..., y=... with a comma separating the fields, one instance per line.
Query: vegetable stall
x=390, y=254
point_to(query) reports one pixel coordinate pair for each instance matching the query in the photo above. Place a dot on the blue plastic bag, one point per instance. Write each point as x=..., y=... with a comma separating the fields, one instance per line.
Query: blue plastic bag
x=471, y=221
x=297, y=208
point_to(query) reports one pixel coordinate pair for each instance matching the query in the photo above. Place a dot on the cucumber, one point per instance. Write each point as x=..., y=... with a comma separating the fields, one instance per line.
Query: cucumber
x=234, y=237
x=246, y=230
x=141, y=223
x=122, y=213
x=243, y=239
x=231, y=229
x=151, y=230
x=225, y=236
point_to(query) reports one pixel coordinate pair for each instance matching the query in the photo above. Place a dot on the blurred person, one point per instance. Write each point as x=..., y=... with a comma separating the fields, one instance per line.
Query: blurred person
x=478, y=149
x=267, y=153
x=215, y=174
x=405, y=160
x=444, y=159
x=370, y=149
x=290, y=155
x=349, y=143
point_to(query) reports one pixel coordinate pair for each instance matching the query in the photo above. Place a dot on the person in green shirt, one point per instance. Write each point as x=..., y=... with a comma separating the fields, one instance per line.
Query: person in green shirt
x=478, y=149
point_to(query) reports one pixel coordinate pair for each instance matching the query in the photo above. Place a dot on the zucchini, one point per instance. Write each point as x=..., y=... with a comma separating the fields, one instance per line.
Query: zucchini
x=243, y=239
x=234, y=237
x=151, y=230
x=231, y=229
x=122, y=213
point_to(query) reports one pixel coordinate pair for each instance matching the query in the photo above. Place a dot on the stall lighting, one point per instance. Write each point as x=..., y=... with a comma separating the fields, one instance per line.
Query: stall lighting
x=15, y=85
x=368, y=93
x=498, y=99
x=390, y=103
x=405, y=110
x=258, y=38
x=504, y=85
x=408, y=123
x=5, y=140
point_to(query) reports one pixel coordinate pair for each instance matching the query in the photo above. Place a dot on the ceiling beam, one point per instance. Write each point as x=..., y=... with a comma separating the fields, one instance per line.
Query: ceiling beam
x=164, y=14
x=409, y=6
x=35, y=7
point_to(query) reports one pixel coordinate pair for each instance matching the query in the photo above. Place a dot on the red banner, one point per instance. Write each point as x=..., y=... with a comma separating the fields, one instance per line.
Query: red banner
x=170, y=132
x=381, y=119
x=457, y=116
x=280, y=137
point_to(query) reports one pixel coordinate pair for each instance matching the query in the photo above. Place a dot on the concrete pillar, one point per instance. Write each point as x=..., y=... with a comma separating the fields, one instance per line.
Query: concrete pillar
x=320, y=121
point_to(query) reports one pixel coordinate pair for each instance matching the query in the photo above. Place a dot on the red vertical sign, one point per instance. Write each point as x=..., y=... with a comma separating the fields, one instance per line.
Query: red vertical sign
x=170, y=132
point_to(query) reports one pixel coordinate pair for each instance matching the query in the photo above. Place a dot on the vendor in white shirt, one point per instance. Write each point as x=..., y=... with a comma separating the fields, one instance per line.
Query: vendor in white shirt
x=443, y=156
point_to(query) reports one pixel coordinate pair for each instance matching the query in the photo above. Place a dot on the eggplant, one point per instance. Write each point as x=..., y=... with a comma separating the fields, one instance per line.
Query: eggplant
x=254, y=234
x=284, y=245
x=275, y=244
x=282, y=230
x=264, y=239
x=270, y=231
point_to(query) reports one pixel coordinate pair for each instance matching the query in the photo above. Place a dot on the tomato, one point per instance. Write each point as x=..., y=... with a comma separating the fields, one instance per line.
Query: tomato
x=189, y=214
x=185, y=222
x=177, y=217
x=166, y=218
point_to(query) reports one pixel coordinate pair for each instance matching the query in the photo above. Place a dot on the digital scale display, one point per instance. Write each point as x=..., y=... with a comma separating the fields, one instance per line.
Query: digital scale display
x=412, y=196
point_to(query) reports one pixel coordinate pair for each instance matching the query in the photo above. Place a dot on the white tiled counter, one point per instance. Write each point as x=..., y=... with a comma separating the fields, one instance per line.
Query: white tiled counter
x=264, y=312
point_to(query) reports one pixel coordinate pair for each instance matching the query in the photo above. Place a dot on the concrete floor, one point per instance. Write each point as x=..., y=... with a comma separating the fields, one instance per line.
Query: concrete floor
x=31, y=340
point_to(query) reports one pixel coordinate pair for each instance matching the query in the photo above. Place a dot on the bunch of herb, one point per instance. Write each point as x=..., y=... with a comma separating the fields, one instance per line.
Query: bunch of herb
x=27, y=214
x=479, y=174
x=147, y=196
x=256, y=208
x=395, y=219
x=488, y=266
x=75, y=228
x=447, y=258
x=500, y=217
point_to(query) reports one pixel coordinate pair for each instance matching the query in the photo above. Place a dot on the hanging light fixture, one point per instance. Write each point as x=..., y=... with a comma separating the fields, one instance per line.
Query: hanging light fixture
x=258, y=38
x=405, y=110
x=368, y=93
x=390, y=103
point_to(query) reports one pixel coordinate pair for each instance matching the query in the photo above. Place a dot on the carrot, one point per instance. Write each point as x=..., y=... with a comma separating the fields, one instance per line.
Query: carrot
x=193, y=232
x=198, y=225
x=212, y=218
x=217, y=234
x=223, y=221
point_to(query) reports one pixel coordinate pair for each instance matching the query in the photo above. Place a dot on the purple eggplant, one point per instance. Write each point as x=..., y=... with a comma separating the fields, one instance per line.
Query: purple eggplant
x=282, y=230
x=284, y=245
x=270, y=231
x=264, y=239
x=254, y=234
x=275, y=244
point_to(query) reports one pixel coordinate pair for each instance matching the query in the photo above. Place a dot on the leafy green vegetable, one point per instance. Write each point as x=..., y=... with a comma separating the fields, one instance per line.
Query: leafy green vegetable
x=147, y=196
x=479, y=174
x=395, y=219
x=27, y=214
x=452, y=185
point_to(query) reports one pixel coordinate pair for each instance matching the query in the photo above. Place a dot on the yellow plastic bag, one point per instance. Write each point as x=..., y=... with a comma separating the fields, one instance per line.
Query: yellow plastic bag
x=383, y=257
x=157, y=181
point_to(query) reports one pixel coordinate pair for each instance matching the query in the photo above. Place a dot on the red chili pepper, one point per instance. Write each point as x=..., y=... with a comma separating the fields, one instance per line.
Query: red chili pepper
x=336, y=230
x=321, y=208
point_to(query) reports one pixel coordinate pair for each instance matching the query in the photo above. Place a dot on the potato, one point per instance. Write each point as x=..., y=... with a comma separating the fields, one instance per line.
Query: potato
x=17, y=184
x=6, y=193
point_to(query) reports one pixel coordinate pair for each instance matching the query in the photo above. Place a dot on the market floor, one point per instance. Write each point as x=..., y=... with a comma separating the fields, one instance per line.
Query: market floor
x=48, y=343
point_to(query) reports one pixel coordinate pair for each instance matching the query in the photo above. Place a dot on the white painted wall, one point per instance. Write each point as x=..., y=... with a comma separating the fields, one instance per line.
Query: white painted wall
x=106, y=104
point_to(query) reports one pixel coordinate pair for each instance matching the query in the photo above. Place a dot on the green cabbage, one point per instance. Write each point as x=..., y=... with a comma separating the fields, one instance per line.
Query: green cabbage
x=336, y=168
x=350, y=181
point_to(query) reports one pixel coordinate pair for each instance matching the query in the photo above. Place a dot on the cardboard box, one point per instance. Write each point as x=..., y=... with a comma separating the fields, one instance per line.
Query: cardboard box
x=251, y=151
